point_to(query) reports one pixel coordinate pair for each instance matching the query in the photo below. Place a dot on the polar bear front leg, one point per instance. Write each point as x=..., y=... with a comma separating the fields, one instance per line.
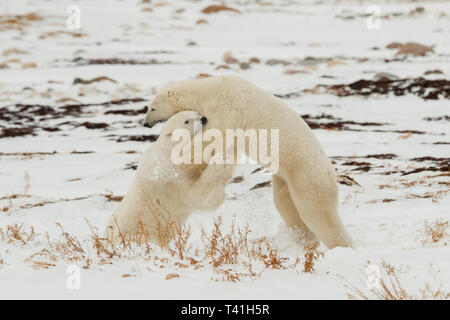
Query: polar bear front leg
x=208, y=192
x=286, y=207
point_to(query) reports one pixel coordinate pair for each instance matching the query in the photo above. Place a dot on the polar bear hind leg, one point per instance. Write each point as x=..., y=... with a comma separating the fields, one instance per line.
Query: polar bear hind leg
x=286, y=207
x=319, y=212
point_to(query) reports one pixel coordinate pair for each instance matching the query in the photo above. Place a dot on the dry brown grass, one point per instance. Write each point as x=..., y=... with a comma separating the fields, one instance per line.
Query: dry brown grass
x=435, y=231
x=435, y=196
x=181, y=242
x=225, y=248
x=391, y=288
x=17, y=235
x=310, y=257
x=18, y=22
x=22, y=195
x=232, y=256
x=172, y=276
x=108, y=196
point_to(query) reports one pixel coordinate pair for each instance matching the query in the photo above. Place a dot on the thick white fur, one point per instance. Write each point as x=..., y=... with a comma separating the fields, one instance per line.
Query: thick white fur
x=163, y=194
x=305, y=187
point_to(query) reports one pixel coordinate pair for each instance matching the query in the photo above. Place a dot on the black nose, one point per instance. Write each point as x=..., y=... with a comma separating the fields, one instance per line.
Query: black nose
x=147, y=125
x=204, y=120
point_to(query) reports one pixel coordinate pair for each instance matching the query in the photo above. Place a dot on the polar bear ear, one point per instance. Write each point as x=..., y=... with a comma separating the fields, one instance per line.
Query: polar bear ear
x=169, y=134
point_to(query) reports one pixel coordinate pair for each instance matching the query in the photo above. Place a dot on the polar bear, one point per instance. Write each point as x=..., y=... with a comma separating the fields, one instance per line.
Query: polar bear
x=162, y=193
x=304, y=188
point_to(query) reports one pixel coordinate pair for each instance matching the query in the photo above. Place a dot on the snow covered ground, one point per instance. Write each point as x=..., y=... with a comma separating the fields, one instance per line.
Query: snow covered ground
x=68, y=145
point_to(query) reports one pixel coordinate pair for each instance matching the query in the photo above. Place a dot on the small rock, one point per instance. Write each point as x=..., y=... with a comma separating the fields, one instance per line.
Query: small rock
x=394, y=45
x=10, y=51
x=273, y=62
x=334, y=62
x=244, y=65
x=29, y=65
x=413, y=48
x=172, y=276
x=203, y=76
x=290, y=71
x=311, y=61
x=218, y=8
x=229, y=59
x=222, y=66
x=385, y=75
x=437, y=71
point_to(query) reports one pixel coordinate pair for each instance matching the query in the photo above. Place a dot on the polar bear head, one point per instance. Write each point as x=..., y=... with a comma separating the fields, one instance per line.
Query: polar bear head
x=182, y=96
x=189, y=121
x=161, y=107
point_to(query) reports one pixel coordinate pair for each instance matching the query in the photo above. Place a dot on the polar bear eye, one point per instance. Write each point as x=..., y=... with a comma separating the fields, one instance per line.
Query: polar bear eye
x=152, y=109
x=186, y=122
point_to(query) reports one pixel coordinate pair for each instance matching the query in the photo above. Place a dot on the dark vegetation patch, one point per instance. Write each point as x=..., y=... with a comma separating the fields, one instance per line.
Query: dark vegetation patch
x=441, y=118
x=94, y=125
x=438, y=165
x=131, y=166
x=337, y=124
x=33, y=112
x=257, y=170
x=16, y=132
x=349, y=125
x=405, y=131
x=138, y=138
x=288, y=95
x=441, y=142
x=424, y=88
x=381, y=156
x=24, y=119
x=38, y=154
x=238, y=179
x=26, y=154
x=360, y=166
x=97, y=79
x=434, y=164
x=265, y=184
x=347, y=180
x=356, y=163
x=112, y=198
x=351, y=159
x=128, y=112
x=81, y=152
x=51, y=129
x=83, y=62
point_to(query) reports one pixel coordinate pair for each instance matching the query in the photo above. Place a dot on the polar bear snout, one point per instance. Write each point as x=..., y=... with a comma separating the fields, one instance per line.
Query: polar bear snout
x=204, y=121
x=151, y=124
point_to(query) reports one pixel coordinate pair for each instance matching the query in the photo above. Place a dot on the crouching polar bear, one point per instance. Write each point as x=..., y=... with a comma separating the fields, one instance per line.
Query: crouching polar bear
x=304, y=187
x=163, y=193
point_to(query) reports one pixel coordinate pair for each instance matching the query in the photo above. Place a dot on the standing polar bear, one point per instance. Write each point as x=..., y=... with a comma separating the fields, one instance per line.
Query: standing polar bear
x=304, y=188
x=162, y=193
